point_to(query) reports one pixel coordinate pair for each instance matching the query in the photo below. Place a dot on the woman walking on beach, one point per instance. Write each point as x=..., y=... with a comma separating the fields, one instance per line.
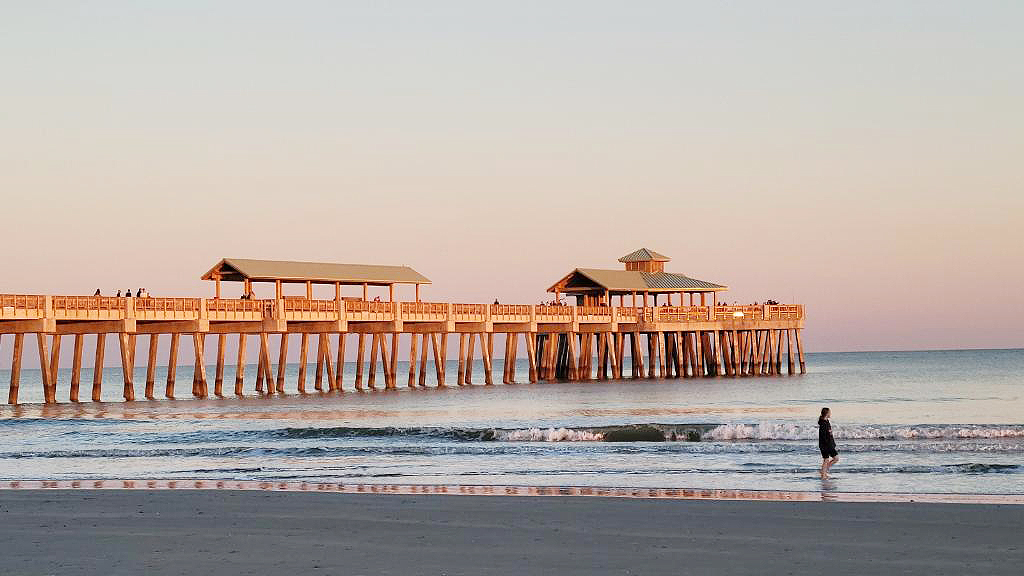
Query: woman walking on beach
x=826, y=443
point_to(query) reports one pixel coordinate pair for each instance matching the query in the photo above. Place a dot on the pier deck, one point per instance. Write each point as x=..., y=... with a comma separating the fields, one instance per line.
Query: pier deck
x=562, y=342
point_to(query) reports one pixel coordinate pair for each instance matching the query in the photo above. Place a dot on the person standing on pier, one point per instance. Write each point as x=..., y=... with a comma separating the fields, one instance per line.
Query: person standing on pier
x=826, y=443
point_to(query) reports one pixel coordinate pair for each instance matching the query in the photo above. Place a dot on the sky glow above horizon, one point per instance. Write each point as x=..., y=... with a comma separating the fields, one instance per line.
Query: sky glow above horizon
x=864, y=159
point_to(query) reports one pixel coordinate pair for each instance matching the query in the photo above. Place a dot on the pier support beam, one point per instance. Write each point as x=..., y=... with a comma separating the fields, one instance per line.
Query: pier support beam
x=424, y=344
x=485, y=349
x=461, y=380
x=240, y=366
x=789, y=351
x=300, y=384
x=97, y=368
x=360, y=356
x=218, y=381
x=172, y=365
x=374, y=346
x=76, y=368
x=154, y=342
x=393, y=362
x=282, y=362
x=531, y=354
x=127, y=367
x=411, y=383
x=199, y=375
x=800, y=350
x=339, y=372
x=442, y=366
x=16, y=354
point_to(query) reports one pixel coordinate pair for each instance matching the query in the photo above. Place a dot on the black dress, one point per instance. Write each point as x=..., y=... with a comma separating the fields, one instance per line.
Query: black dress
x=826, y=443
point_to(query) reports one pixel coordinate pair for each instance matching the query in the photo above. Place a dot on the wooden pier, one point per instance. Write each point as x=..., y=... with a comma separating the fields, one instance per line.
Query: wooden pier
x=586, y=341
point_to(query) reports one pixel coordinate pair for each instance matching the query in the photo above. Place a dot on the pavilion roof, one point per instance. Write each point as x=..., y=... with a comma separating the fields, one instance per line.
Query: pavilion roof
x=632, y=281
x=239, y=269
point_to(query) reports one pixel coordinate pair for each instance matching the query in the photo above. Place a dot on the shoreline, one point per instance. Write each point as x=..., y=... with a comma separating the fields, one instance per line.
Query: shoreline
x=716, y=494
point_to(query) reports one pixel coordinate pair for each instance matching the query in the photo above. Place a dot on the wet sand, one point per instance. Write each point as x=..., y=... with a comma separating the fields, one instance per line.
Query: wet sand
x=263, y=532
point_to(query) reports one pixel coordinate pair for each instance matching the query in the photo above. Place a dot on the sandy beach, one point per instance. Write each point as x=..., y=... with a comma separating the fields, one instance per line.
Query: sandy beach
x=116, y=532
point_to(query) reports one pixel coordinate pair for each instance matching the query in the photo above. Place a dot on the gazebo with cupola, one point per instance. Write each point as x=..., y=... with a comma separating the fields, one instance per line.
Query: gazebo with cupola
x=644, y=278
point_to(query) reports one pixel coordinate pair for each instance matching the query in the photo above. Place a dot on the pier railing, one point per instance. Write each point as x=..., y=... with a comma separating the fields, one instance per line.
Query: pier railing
x=29, y=306
x=17, y=306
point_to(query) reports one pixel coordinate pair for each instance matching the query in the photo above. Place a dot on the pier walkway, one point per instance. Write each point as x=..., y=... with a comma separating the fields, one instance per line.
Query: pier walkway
x=562, y=342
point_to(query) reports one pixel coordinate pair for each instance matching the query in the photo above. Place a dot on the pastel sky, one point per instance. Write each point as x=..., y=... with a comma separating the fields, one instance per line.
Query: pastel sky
x=863, y=158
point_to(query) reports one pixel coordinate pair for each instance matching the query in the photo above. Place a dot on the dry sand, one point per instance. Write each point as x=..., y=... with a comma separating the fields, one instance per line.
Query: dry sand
x=136, y=532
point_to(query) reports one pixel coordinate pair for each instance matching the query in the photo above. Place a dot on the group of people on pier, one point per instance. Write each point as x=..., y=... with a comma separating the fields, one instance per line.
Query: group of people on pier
x=140, y=293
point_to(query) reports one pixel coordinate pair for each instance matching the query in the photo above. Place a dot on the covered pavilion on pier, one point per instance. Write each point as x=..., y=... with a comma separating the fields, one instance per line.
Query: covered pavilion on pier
x=280, y=272
x=644, y=276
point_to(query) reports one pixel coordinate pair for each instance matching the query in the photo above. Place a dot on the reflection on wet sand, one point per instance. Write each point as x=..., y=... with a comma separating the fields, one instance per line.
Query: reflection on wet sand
x=507, y=490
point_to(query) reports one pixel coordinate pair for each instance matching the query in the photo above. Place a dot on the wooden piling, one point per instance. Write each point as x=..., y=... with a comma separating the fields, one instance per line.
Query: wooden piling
x=300, y=383
x=318, y=380
x=393, y=365
x=778, y=353
x=76, y=367
x=679, y=351
x=515, y=358
x=504, y=363
x=531, y=354
x=97, y=369
x=789, y=351
x=486, y=348
x=461, y=381
x=154, y=341
x=800, y=350
x=44, y=364
x=328, y=362
x=262, y=357
x=16, y=354
x=573, y=359
x=172, y=365
x=282, y=362
x=199, y=346
x=240, y=366
x=443, y=366
x=661, y=354
x=371, y=379
x=412, y=362
x=438, y=364
x=339, y=365
x=470, y=349
x=126, y=367
x=54, y=366
x=218, y=380
x=360, y=354
x=424, y=344
x=698, y=340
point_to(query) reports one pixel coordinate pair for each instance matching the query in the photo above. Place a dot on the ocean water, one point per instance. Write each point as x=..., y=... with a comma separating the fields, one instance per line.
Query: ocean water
x=944, y=422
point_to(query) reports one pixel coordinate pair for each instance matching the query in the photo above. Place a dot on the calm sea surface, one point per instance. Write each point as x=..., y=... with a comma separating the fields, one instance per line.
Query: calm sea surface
x=904, y=421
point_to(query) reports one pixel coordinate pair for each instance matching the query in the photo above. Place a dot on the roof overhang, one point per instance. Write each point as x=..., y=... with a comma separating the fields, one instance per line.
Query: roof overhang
x=289, y=272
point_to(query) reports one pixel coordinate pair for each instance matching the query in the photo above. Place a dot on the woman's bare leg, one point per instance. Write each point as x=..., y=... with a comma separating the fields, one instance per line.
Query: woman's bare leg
x=824, y=468
x=829, y=463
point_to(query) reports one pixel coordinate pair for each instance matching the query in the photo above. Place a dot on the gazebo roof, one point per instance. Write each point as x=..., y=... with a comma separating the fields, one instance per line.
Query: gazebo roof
x=585, y=279
x=240, y=269
x=644, y=255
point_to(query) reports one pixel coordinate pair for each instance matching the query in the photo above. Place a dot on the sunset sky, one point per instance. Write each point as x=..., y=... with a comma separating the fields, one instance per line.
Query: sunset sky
x=863, y=158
